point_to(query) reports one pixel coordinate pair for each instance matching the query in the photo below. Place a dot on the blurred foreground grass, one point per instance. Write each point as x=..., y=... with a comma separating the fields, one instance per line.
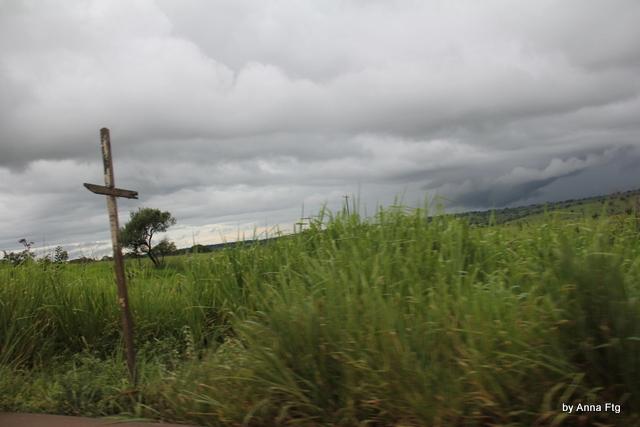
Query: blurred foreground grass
x=401, y=319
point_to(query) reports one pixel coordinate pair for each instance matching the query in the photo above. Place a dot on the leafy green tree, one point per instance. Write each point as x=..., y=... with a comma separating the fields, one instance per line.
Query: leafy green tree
x=164, y=248
x=137, y=234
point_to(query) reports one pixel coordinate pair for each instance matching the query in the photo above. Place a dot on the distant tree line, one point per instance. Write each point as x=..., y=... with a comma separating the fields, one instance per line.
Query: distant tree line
x=26, y=255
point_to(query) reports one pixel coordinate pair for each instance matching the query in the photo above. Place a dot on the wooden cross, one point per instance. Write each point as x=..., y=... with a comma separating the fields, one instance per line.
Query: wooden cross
x=112, y=192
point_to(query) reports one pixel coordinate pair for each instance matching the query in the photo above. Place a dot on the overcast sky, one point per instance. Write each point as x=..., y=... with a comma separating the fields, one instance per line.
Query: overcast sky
x=234, y=114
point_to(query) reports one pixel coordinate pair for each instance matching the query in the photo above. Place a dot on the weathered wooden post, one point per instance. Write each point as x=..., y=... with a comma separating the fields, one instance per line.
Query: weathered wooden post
x=637, y=212
x=112, y=192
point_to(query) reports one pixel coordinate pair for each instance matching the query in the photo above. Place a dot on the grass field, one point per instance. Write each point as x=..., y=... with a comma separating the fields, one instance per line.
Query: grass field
x=401, y=319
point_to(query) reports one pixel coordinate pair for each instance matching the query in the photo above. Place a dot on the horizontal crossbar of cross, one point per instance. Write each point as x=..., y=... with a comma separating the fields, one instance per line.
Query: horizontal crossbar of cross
x=109, y=191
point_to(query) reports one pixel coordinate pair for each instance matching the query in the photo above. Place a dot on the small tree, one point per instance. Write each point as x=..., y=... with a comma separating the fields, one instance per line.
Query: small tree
x=60, y=255
x=198, y=249
x=17, y=258
x=27, y=244
x=45, y=260
x=137, y=234
x=164, y=248
x=13, y=258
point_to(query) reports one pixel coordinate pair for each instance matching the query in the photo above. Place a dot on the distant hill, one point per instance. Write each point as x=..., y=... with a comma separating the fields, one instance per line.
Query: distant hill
x=611, y=204
x=218, y=246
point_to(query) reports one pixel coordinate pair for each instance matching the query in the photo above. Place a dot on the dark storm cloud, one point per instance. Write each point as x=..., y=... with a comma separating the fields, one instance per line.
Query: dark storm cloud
x=233, y=113
x=595, y=173
x=503, y=195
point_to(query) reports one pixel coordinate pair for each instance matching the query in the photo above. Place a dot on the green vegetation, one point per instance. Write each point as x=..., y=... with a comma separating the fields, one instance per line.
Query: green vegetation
x=403, y=319
x=610, y=204
x=137, y=234
x=18, y=258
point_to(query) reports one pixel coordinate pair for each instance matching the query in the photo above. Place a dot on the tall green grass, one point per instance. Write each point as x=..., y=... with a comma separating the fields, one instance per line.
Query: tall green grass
x=401, y=319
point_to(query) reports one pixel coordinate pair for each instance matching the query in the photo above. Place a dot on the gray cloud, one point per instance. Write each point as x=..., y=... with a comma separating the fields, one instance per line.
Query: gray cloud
x=236, y=113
